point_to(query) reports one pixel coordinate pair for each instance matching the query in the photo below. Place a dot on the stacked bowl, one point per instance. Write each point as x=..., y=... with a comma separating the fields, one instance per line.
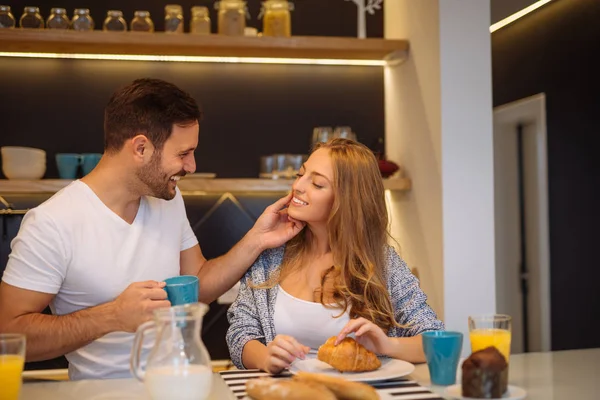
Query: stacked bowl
x=23, y=162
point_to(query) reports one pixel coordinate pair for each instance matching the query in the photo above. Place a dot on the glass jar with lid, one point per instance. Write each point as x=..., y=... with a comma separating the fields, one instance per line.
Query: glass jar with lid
x=7, y=20
x=232, y=17
x=277, y=20
x=114, y=21
x=82, y=20
x=141, y=22
x=173, y=18
x=200, y=23
x=31, y=18
x=58, y=19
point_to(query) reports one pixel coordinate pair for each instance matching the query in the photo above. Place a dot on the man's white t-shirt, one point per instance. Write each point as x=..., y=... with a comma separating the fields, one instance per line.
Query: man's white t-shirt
x=74, y=246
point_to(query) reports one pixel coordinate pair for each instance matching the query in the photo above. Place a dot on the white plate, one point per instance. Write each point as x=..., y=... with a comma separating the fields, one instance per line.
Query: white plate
x=513, y=393
x=382, y=396
x=390, y=369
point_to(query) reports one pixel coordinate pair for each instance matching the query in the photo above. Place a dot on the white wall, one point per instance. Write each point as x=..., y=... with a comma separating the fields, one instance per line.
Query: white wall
x=439, y=128
x=413, y=138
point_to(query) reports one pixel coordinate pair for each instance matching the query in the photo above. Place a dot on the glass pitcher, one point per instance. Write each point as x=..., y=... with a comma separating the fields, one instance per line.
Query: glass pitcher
x=178, y=367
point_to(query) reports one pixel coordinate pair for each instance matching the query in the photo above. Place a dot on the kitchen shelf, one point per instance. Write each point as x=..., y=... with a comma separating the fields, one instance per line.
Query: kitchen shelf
x=68, y=42
x=188, y=185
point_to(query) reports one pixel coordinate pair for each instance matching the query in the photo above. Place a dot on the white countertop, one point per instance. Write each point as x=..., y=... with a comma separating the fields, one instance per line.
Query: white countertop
x=559, y=375
x=108, y=389
x=563, y=375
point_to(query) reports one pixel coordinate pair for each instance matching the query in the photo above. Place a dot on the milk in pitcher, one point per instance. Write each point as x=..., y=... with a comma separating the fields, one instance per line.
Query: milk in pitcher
x=193, y=382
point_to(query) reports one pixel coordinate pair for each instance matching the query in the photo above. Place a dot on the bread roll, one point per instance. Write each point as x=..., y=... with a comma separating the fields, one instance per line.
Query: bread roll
x=342, y=388
x=279, y=389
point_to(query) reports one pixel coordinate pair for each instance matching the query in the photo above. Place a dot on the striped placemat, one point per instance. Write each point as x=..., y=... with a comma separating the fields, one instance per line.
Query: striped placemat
x=397, y=389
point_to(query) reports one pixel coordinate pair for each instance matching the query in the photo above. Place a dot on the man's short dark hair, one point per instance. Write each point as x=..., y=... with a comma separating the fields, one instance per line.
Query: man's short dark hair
x=150, y=107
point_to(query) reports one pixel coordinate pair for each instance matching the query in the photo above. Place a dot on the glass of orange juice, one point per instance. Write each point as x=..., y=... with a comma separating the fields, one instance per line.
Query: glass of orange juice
x=490, y=330
x=12, y=360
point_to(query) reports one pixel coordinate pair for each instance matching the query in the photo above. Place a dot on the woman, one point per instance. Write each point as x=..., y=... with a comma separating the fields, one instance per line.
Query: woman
x=337, y=277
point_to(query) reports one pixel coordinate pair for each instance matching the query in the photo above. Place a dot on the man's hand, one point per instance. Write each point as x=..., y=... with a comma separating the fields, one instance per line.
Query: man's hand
x=135, y=305
x=275, y=227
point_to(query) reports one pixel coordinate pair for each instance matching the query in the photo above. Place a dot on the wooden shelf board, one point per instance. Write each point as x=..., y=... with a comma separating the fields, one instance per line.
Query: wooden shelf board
x=160, y=43
x=187, y=185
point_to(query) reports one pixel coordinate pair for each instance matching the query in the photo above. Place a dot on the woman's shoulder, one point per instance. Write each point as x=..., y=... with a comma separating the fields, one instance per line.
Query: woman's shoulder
x=267, y=262
x=272, y=256
x=393, y=260
x=396, y=268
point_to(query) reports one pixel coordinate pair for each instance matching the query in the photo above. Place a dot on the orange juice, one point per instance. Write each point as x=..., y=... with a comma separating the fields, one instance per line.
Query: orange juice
x=499, y=338
x=11, y=367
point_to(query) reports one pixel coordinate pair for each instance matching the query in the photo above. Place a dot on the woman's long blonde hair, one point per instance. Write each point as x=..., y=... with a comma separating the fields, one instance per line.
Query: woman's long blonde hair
x=358, y=232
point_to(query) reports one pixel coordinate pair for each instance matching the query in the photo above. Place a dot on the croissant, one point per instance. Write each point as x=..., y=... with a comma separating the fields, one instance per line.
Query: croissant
x=348, y=356
x=342, y=388
x=277, y=389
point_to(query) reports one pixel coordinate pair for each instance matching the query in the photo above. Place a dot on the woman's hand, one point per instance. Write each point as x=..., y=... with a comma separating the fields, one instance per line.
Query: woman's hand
x=368, y=334
x=281, y=352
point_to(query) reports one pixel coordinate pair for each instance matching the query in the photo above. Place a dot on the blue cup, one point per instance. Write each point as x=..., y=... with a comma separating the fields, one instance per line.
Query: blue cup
x=89, y=162
x=442, y=350
x=182, y=289
x=68, y=165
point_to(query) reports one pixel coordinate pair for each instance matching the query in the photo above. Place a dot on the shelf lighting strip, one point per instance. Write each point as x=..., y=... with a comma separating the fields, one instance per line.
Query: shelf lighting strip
x=198, y=59
x=519, y=14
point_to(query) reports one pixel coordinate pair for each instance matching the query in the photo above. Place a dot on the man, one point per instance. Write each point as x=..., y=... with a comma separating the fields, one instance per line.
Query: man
x=98, y=251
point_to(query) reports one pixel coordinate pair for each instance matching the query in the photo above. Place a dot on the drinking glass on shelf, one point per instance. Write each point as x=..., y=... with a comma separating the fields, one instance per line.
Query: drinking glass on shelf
x=321, y=134
x=491, y=330
x=280, y=165
x=266, y=167
x=295, y=161
x=344, y=132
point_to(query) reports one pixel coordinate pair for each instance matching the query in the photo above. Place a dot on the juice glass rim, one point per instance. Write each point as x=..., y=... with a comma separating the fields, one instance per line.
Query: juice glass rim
x=5, y=337
x=491, y=317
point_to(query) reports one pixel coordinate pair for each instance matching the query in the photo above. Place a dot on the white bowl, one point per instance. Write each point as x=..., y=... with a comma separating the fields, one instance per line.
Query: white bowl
x=30, y=173
x=23, y=162
x=22, y=152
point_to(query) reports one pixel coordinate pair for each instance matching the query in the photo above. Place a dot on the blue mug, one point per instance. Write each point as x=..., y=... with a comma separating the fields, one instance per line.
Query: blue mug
x=182, y=289
x=68, y=165
x=442, y=350
x=89, y=162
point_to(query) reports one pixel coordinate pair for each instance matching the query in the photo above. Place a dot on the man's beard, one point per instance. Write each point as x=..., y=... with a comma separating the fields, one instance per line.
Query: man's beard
x=156, y=180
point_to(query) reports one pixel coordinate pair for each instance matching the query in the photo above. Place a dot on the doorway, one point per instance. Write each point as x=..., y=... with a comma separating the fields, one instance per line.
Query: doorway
x=521, y=221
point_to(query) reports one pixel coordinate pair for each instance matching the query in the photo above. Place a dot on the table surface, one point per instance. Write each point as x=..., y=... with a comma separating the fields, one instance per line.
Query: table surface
x=569, y=375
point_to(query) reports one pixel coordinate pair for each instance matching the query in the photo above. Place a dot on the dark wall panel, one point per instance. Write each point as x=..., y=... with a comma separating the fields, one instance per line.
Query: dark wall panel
x=554, y=51
x=250, y=110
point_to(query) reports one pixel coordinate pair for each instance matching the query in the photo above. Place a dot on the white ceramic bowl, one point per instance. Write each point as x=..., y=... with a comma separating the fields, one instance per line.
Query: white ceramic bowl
x=23, y=162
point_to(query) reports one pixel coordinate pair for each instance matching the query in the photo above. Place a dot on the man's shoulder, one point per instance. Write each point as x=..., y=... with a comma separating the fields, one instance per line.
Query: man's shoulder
x=62, y=205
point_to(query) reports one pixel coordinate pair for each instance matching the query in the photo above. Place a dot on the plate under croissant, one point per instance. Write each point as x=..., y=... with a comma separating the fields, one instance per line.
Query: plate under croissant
x=390, y=369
